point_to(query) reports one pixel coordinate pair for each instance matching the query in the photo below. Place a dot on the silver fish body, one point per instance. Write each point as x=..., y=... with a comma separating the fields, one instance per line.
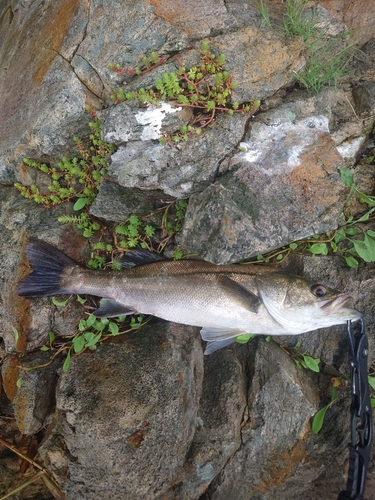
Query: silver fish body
x=225, y=301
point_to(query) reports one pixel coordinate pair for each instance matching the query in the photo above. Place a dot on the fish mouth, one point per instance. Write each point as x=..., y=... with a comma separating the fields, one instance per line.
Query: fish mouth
x=332, y=306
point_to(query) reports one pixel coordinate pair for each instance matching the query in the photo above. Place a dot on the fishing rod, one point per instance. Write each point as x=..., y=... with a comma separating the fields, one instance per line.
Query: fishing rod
x=360, y=416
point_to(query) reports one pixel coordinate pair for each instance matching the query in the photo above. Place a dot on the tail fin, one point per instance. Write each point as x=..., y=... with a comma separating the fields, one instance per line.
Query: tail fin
x=48, y=264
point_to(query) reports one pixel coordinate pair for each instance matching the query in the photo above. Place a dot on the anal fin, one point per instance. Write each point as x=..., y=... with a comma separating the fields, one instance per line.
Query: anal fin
x=109, y=308
x=216, y=345
x=217, y=338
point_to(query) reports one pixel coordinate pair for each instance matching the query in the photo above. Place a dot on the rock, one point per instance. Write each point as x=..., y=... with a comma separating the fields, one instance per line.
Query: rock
x=33, y=401
x=33, y=95
x=181, y=169
x=218, y=433
x=19, y=219
x=117, y=203
x=354, y=15
x=259, y=61
x=281, y=401
x=128, y=121
x=364, y=98
x=243, y=213
x=135, y=418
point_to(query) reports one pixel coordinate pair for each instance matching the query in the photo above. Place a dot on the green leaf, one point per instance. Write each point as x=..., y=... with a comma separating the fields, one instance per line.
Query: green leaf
x=78, y=343
x=319, y=249
x=346, y=177
x=82, y=325
x=92, y=340
x=113, y=328
x=366, y=248
x=80, y=203
x=90, y=320
x=319, y=419
x=16, y=334
x=293, y=246
x=81, y=300
x=99, y=325
x=370, y=200
x=19, y=382
x=149, y=230
x=44, y=348
x=366, y=216
x=351, y=262
x=60, y=303
x=351, y=231
x=66, y=362
x=242, y=339
x=51, y=336
x=311, y=363
x=372, y=401
x=371, y=381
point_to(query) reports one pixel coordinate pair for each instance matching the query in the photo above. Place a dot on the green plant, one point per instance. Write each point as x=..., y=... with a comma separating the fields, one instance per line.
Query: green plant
x=295, y=23
x=136, y=231
x=371, y=381
x=244, y=338
x=206, y=88
x=148, y=64
x=262, y=8
x=76, y=179
x=301, y=359
x=327, y=61
x=337, y=382
x=318, y=419
x=327, y=57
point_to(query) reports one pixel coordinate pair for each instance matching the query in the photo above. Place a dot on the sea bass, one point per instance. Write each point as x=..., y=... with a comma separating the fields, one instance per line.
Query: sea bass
x=225, y=300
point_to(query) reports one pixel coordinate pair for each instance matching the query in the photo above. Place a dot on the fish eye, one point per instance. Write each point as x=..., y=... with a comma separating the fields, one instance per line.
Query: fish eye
x=318, y=290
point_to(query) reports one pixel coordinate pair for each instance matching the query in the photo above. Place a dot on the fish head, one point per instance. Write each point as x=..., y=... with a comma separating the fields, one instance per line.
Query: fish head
x=300, y=305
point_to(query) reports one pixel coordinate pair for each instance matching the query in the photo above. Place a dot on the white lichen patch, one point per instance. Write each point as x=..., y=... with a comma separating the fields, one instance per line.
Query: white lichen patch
x=152, y=119
x=276, y=147
x=350, y=148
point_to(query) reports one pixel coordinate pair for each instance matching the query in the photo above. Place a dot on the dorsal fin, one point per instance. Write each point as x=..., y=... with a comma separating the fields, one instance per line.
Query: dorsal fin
x=139, y=257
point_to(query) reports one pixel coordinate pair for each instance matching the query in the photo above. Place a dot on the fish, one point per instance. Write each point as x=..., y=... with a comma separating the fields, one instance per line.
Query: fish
x=224, y=300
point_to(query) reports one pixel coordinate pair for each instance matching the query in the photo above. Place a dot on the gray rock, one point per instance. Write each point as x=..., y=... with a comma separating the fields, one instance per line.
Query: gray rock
x=218, y=433
x=34, y=400
x=244, y=213
x=129, y=121
x=259, y=61
x=116, y=203
x=364, y=98
x=135, y=418
x=182, y=169
x=281, y=401
x=32, y=96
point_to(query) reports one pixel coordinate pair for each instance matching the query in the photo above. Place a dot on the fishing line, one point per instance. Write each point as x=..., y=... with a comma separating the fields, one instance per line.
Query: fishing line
x=360, y=415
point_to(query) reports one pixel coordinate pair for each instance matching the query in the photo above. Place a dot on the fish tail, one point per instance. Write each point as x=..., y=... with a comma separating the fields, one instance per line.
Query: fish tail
x=48, y=265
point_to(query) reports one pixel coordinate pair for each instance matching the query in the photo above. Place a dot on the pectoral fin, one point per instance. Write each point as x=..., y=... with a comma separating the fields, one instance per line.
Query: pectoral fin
x=237, y=293
x=109, y=308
